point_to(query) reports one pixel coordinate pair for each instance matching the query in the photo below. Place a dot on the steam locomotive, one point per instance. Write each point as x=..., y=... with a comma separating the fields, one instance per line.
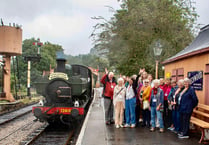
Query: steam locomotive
x=67, y=92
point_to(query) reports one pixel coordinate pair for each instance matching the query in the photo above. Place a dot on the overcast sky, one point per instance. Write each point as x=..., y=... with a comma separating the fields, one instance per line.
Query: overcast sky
x=67, y=22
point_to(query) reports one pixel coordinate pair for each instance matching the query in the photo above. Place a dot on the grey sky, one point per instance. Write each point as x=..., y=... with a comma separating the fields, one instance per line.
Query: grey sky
x=67, y=22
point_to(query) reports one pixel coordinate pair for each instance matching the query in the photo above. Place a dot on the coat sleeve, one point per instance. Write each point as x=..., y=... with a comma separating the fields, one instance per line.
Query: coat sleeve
x=146, y=94
x=162, y=97
x=170, y=94
x=194, y=98
x=114, y=95
x=103, y=79
x=150, y=99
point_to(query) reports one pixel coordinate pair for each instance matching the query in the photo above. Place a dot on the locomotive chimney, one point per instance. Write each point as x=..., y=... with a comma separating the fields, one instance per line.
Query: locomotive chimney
x=60, y=61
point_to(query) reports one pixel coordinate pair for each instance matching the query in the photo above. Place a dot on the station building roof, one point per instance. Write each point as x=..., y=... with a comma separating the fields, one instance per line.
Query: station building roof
x=199, y=45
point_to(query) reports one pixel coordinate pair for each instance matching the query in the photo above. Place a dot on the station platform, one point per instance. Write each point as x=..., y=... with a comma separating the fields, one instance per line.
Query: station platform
x=95, y=132
x=12, y=115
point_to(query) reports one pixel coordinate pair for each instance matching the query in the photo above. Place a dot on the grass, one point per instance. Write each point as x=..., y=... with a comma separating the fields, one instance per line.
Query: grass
x=27, y=100
x=4, y=101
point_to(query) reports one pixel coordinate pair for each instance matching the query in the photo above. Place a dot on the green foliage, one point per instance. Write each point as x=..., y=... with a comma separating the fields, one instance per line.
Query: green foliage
x=129, y=34
x=89, y=60
x=48, y=57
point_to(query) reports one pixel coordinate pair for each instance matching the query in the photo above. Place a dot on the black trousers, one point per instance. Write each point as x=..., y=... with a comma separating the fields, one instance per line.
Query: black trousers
x=167, y=115
x=146, y=117
x=185, y=121
x=137, y=112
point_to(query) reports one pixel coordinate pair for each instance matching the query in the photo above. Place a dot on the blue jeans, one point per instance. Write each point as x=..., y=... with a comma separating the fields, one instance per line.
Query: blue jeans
x=159, y=115
x=176, y=120
x=130, y=105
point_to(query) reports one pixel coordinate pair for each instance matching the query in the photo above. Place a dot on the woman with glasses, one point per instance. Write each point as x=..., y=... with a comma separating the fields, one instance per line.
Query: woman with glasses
x=145, y=91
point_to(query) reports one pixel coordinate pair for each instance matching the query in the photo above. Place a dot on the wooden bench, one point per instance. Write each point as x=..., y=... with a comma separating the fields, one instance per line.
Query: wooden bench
x=200, y=118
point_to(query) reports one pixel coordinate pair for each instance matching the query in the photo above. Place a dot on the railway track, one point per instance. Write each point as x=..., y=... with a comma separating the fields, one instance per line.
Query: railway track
x=49, y=135
x=8, y=117
x=16, y=130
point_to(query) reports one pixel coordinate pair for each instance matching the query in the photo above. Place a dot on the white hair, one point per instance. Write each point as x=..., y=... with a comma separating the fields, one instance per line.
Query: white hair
x=181, y=81
x=120, y=80
x=111, y=73
x=156, y=81
x=146, y=80
x=134, y=76
x=187, y=80
x=161, y=79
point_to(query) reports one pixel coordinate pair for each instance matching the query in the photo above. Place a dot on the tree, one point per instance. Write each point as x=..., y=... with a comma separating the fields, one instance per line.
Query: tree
x=129, y=34
x=48, y=57
x=89, y=60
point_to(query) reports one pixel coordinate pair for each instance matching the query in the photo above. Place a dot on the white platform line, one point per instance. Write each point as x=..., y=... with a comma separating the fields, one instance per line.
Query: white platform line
x=83, y=129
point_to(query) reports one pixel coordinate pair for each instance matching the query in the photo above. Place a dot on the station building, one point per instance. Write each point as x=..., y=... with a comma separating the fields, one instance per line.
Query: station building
x=193, y=62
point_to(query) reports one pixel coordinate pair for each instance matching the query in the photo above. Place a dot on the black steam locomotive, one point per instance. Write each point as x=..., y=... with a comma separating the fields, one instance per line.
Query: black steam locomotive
x=67, y=92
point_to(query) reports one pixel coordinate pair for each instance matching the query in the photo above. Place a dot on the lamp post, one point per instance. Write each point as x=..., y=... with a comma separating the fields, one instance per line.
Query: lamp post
x=157, y=52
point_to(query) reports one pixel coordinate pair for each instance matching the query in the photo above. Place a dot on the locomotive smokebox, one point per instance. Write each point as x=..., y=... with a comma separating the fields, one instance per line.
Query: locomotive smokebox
x=61, y=60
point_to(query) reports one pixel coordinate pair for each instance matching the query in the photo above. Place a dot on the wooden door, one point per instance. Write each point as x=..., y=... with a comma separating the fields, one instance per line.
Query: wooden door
x=207, y=84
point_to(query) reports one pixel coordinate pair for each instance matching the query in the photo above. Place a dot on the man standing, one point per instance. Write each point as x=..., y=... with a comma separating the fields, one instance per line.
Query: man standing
x=109, y=82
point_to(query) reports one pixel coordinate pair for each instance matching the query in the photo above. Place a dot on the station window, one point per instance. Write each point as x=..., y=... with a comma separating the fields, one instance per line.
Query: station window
x=178, y=74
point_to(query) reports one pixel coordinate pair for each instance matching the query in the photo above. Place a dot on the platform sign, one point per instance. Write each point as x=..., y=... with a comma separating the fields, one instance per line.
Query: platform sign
x=196, y=78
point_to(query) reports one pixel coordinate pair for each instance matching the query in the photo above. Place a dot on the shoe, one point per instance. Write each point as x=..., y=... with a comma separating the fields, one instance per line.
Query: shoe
x=161, y=130
x=133, y=125
x=183, y=136
x=143, y=125
x=117, y=126
x=174, y=131
x=121, y=126
x=170, y=128
x=127, y=125
x=180, y=134
x=112, y=122
x=107, y=122
x=152, y=129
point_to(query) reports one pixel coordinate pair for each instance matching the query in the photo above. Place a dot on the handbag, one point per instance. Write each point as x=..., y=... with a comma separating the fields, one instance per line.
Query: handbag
x=161, y=108
x=145, y=105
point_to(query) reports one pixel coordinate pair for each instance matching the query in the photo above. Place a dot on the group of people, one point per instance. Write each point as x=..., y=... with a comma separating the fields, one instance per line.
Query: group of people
x=156, y=103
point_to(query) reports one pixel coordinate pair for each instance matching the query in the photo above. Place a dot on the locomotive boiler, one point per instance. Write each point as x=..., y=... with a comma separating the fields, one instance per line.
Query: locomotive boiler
x=67, y=92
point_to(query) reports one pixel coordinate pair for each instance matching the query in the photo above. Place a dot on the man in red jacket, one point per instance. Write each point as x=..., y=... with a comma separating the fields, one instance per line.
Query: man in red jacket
x=109, y=82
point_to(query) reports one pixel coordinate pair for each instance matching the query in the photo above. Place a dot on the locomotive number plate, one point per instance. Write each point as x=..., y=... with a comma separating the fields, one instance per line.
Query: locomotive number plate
x=63, y=110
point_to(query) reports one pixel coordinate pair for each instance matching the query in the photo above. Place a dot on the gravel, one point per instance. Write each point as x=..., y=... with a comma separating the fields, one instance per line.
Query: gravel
x=18, y=129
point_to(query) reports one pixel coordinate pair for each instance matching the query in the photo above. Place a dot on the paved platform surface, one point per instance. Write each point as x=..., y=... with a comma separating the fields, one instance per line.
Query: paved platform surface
x=95, y=132
x=14, y=114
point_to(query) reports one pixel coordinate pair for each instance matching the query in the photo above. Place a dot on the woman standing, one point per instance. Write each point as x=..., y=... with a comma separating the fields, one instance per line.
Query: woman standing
x=170, y=105
x=188, y=101
x=156, y=105
x=130, y=104
x=145, y=91
x=119, y=102
x=167, y=114
x=175, y=105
